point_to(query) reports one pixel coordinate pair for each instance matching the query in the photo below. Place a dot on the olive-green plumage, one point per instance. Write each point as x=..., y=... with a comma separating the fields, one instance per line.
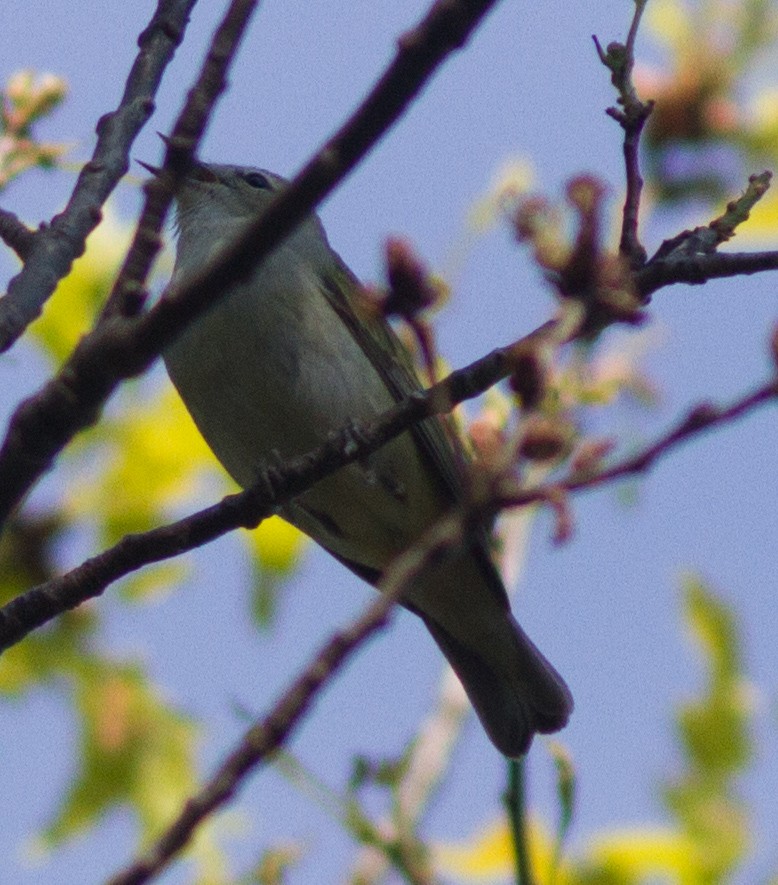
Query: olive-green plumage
x=285, y=358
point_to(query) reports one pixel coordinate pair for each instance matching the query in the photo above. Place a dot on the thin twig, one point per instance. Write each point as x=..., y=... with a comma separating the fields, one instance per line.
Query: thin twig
x=274, y=730
x=15, y=234
x=629, y=244
x=700, y=268
x=515, y=801
x=56, y=246
x=127, y=296
x=691, y=256
x=706, y=239
x=42, y=425
x=700, y=418
x=620, y=60
x=429, y=755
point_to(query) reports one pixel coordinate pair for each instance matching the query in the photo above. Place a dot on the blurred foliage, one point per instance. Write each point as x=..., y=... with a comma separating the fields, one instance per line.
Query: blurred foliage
x=714, y=120
x=273, y=866
x=488, y=856
x=708, y=834
x=134, y=749
x=26, y=98
x=714, y=730
x=27, y=558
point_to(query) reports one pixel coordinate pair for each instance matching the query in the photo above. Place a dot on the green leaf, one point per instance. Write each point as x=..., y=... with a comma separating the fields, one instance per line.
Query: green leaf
x=565, y=791
x=715, y=733
x=134, y=749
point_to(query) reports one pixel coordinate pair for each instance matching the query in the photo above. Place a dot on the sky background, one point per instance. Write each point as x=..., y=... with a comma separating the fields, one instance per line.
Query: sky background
x=605, y=608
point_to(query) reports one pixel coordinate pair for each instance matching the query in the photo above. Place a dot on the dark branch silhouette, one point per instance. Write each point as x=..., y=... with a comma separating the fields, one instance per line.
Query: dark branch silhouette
x=121, y=348
x=273, y=730
x=700, y=268
x=16, y=235
x=620, y=60
x=699, y=419
x=247, y=509
x=128, y=296
x=55, y=247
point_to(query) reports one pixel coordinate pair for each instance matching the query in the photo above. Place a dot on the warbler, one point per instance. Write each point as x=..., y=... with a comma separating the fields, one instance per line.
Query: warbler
x=285, y=357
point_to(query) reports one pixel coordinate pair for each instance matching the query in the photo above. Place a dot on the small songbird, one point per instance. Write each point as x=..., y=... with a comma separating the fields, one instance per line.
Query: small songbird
x=286, y=357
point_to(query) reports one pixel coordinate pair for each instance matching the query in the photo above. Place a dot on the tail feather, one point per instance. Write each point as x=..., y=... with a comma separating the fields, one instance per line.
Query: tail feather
x=511, y=709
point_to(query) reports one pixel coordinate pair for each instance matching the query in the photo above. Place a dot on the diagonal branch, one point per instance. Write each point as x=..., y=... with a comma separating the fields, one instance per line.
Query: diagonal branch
x=691, y=256
x=699, y=419
x=270, y=733
x=42, y=425
x=40, y=604
x=55, y=247
x=128, y=295
x=116, y=350
x=274, y=730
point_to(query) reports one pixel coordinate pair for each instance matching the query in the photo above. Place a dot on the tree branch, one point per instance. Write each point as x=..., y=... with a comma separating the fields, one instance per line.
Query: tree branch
x=16, y=235
x=270, y=733
x=700, y=268
x=128, y=296
x=54, y=248
x=691, y=256
x=620, y=60
x=40, y=604
x=700, y=418
x=273, y=730
x=117, y=350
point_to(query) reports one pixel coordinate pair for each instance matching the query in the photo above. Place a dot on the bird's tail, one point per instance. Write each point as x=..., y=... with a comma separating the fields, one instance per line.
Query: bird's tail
x=527, y=695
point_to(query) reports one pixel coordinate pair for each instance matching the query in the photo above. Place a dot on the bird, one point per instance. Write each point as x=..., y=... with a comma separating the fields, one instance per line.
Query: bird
x=288, y=355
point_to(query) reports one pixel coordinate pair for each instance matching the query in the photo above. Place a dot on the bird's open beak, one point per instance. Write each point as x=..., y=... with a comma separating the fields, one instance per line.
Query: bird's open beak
x=197, y=171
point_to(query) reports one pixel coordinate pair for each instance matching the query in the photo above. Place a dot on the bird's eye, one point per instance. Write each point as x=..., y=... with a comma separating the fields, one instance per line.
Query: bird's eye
x=258, y=180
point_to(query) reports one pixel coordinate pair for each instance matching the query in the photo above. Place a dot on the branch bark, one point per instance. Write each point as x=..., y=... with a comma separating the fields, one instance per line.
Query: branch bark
x=16, y=235
x=271, y=732
x=40, y=604
x=120, y=348
x=699, y=268
x=274, y=730
x=54, y=248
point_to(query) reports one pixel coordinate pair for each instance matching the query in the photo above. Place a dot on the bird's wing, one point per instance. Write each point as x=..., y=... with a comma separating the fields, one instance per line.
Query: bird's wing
x=394, y=364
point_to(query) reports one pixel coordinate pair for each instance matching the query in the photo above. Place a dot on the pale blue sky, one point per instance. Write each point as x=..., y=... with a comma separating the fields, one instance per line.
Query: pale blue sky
x=605, y=607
